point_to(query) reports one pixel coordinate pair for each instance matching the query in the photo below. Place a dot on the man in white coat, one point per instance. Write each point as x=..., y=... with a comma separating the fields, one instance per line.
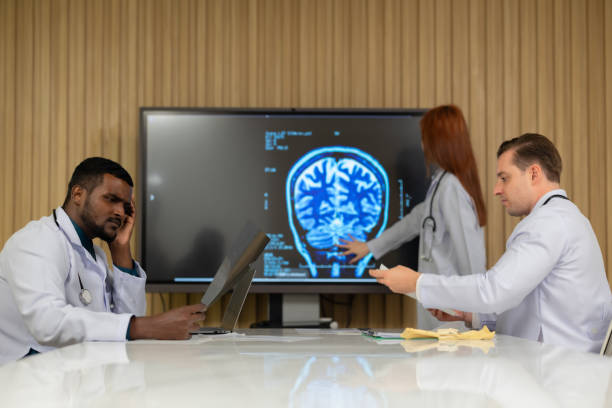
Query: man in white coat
x=550, y=285
x=55, y=285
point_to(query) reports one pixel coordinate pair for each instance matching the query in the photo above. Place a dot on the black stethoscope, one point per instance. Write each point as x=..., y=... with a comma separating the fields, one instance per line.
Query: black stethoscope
x=430, y=216
x=553, y=196
x=84, y=294
x=426, y=254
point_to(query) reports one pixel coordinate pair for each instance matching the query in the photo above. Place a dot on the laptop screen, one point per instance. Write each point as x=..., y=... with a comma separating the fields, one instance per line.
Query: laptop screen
x=245, y=250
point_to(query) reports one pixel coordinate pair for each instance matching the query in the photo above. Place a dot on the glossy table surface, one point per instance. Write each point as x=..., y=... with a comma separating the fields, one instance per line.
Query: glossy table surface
x=308, y=368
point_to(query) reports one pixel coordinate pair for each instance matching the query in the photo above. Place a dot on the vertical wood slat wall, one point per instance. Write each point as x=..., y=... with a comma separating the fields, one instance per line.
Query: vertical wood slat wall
x=73, y=74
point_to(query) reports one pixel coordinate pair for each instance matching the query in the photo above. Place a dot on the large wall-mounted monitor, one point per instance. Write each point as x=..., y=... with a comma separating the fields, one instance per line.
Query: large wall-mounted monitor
x=308, y=178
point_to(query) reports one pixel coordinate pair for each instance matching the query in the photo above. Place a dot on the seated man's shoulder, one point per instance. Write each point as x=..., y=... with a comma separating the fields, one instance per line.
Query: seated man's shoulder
x=562, y=215
x=543, y=223
x=37, y=236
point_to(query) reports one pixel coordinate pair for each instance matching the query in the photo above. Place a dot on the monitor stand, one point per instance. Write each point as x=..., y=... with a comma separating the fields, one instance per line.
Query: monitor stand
x=292, y=310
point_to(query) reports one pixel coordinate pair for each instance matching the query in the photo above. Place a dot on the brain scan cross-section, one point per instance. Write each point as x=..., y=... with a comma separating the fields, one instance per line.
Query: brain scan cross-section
x=335, y=193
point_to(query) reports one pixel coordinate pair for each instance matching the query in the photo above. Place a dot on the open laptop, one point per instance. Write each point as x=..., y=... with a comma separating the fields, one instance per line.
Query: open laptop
x=230, y=317
x=235, y=273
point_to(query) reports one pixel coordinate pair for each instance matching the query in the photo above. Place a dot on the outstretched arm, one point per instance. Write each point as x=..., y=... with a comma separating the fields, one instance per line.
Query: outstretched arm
x=354, y=247
x=399, y=279
x=176, y=324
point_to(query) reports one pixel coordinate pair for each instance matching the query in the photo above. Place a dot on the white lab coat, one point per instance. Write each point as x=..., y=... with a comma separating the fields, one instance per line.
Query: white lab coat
x=550, y=284
x=39, y=291
x=455, y=248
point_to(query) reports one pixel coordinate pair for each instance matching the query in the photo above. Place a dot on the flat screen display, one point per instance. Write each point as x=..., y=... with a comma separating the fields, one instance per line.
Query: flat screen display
x=309, y=179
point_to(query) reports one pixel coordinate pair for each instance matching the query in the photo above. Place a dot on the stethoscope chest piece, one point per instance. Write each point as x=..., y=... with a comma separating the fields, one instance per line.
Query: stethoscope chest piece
x=84, y=294
x=85, y=297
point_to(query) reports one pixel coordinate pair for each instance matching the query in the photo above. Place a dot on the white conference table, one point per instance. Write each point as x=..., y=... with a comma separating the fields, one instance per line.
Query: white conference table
x=308, y=368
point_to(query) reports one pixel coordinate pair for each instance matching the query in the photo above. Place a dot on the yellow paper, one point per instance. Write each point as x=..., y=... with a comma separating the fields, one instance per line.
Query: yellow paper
x=449, y=334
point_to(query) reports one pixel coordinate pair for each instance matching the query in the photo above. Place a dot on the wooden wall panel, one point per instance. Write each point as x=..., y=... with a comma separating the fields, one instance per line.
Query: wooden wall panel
x=545, y=67
x=579, y=109
x=443, y=51
x=562, y=105
x=324, y=28
x=459, y=82
x=494, y=116
x=529, y=59
x=476, y=114
x=512, y=92
x=41, y=107
x=340, y=60
x=128, y=86
x=391, y=41
x=307, y=64
x=7, y=126
x=77, y=103
x=73, y=74
x=606, y=245
x=3, y=101
x=58, y=152
x=596, y=120
x=24, y=55
x=409, y=51
x=427, y=56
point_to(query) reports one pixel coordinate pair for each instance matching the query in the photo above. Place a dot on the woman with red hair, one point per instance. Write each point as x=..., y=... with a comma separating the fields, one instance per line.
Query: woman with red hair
x=450, y=221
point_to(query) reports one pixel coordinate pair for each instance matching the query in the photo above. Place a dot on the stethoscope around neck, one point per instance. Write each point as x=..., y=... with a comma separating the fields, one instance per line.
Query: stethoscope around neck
x=430, y=218
x=84, y=294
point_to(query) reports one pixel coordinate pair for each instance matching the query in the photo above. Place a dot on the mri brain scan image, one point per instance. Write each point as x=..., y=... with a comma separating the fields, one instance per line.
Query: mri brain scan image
x=335, y=193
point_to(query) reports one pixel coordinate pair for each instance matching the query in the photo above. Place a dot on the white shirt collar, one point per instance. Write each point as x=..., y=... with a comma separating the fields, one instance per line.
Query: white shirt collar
x=66, y=226
x=435, y=179
x=437, y=173
x=545, y=197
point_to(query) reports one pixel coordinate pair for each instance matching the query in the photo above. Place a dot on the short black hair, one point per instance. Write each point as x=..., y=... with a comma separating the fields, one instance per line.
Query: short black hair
x=530, y=148
x=90, y=173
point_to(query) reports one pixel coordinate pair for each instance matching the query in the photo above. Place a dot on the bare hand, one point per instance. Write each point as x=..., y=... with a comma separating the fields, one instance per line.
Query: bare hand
x=176, y=324
x=354, y=247
x=124, y=233
x=120, y=246
x=399, y=279
x=445, y=317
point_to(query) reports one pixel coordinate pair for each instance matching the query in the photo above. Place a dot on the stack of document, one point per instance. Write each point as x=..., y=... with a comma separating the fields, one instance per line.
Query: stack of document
x=442, y=339
x=448, y=334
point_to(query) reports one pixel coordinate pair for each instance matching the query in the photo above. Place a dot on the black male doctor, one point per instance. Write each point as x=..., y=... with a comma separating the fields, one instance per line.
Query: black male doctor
x=56, y=287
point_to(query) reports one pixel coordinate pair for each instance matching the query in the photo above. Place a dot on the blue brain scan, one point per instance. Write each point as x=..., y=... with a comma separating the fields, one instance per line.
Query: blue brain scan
x=335, y=193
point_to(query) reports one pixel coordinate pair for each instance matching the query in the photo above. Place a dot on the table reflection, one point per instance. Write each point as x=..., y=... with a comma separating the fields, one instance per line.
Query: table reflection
x=338, y=371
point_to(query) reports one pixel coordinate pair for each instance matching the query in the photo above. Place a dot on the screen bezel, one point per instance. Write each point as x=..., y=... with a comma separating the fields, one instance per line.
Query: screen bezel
x=256, y=287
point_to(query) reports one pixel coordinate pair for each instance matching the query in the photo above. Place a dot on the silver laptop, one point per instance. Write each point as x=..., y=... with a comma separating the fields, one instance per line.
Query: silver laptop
x=230, y=317
x=235, y=273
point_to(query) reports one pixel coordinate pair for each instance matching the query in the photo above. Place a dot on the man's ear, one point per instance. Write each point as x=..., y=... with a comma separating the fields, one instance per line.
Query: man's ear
x=535, y=173
x=77, y=195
